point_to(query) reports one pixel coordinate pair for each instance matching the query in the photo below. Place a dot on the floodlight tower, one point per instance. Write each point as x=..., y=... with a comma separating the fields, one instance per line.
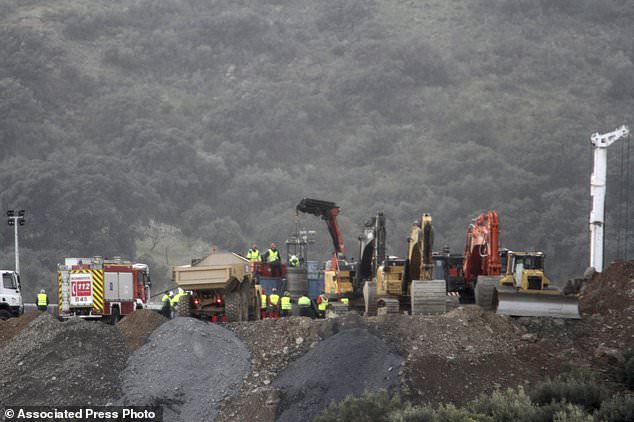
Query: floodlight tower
x=15, y=221
x=600, y=143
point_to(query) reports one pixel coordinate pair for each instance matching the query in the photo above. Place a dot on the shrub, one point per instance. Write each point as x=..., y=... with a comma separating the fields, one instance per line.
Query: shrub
x=619, y=408
x=572, y=413
x=371, y=407
x=510, y=405
x=576, y=387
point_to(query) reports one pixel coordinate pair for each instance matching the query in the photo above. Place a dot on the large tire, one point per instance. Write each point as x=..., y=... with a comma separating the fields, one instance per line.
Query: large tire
x=184, y=306
x=115, y=315
x=4, y=314
x=485, y=293
x=233, y=304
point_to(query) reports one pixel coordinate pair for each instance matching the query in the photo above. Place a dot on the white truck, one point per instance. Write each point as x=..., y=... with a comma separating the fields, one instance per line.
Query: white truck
x=11, y=304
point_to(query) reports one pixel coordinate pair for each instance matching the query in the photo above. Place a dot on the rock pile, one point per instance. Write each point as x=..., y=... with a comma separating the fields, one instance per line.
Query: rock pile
x=137, y=327
x=188, y=367
x=62, y=364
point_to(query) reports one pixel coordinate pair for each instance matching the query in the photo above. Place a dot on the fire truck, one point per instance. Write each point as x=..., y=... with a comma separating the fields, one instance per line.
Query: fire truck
x=95, y=288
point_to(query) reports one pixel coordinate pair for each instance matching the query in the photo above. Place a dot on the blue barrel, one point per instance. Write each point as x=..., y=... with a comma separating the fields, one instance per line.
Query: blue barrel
x=268, y=283
x=312, y=267
x=315, y=287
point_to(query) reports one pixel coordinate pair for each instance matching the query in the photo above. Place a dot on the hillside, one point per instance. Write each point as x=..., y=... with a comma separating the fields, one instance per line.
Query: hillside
x=154, y=129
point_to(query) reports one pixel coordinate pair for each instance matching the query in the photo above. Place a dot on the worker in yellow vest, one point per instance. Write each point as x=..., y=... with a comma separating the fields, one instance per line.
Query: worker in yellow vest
x=254, y=254
x=305, y=305
x=322, y=304
x=287, y=306
x=274, y=304
x=263, y=305
x=166, y=304
x=273, y=258
x=294, y=261
x=174, y=301
x=42, y=300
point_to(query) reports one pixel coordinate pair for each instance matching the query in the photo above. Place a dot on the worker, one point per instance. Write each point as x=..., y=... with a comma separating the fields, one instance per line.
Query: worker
x=294, y=261
x=305, y=305
x=274, y=304
x=322, y=304
x=286, y=304
x=254, y=254
x=42, y=300
x=272, y=257
x=174, y=301
x=344, y=300
x=166, y=303
x=263, y=305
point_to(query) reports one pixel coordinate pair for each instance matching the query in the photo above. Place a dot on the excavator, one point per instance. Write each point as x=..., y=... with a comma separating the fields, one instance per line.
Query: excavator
x=522, y=289
x=339, y=274
x=407, y=284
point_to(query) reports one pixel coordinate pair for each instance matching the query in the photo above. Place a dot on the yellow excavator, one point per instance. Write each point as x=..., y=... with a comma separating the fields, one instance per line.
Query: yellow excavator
x=406, y=284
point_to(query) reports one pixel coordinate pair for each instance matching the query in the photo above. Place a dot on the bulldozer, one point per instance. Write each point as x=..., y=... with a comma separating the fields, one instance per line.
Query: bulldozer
x=524, y=290
x=406, y=285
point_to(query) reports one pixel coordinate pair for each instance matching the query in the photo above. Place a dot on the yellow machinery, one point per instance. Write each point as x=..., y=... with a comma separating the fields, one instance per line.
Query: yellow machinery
x=526, y=291
x=406, y=284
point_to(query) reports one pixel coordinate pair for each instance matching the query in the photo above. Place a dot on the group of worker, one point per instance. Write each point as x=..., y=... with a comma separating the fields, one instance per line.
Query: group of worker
x=276, y=306
x=169, y=301
x=271, y=256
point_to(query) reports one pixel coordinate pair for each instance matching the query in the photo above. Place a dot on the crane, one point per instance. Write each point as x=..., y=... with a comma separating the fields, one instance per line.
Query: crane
x=600, y=143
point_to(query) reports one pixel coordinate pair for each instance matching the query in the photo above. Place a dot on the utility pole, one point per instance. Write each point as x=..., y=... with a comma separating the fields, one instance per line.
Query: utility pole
x=600, y=143
x=15, y=221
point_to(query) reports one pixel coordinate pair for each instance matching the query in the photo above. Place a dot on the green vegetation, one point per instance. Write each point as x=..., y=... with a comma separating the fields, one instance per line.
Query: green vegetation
x=211, y=120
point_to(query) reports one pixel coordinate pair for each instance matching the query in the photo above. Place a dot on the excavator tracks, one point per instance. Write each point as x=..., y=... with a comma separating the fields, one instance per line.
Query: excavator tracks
x=485, y=293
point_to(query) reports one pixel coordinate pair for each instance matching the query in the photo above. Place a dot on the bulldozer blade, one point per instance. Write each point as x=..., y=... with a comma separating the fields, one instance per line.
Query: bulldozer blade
x=538, y=305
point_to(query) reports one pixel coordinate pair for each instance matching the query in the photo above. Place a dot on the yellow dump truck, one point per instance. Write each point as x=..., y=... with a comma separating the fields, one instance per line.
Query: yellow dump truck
x=219, y=288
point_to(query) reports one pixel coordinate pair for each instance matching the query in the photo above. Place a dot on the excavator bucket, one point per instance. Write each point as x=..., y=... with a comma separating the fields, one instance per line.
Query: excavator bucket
x=514, y=303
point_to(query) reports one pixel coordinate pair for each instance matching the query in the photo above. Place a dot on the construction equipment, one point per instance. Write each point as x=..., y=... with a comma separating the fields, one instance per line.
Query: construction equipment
x=407, y=284
x=600, y=143
x=481, y=264
x=524, y=290
x=339, y=274
x=11, y=304
x=96, y=288
x=220, y=288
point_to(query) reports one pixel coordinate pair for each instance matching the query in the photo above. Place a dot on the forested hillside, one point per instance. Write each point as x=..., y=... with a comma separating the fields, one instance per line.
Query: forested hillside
x=154, y=129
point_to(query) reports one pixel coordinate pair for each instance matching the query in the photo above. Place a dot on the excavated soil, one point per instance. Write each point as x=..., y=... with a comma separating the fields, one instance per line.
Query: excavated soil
x=137, y=327
x=62, y=364
x=280, y=369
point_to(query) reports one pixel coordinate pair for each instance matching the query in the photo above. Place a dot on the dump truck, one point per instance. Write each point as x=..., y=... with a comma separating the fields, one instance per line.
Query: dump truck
x=11, y=304
x=97, y=288
x=219, y=287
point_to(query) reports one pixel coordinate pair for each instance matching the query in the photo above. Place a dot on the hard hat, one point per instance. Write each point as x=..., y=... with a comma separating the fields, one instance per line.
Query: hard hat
x=293, y=257
x=274, y=289
x=171, y=293
x=42, y=291
x=180, y=290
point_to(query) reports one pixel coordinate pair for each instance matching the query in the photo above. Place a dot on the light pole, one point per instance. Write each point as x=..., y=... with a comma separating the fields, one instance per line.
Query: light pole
x=15, y=221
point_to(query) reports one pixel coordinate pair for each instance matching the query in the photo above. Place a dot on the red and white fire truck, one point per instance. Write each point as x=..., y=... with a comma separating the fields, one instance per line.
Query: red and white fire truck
x=97, y=288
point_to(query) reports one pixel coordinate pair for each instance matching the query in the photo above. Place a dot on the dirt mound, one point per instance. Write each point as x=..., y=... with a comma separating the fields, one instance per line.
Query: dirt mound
x=137, y=327
x=187, y=366
x=13, y=326
x=62, y=364
x=607, y=306
x=349, y=362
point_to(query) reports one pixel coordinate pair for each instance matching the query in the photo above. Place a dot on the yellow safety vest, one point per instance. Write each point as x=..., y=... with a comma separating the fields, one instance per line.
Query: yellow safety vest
x=344, y=300
x=274, y=299
x=176, y=298
x=254, y=255
x=165, y=298
x=294, y=262
x=274, y=255
x=324, y=303
x=286, y=303
x=304, y=300
x=263, y=301
x=42, y=300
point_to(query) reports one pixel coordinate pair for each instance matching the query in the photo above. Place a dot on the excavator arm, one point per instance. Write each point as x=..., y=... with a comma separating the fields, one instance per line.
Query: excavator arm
x=482, y=248
x=328, y=211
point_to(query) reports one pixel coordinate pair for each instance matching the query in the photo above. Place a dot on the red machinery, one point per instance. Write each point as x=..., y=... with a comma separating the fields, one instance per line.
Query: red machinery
x=482, y=249
x=328, y=211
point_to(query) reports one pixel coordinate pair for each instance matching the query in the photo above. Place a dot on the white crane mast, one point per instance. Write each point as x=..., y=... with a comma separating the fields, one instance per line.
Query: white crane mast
x=600, y=143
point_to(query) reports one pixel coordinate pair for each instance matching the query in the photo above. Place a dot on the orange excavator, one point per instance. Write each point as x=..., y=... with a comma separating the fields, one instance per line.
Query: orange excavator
x=481, y=264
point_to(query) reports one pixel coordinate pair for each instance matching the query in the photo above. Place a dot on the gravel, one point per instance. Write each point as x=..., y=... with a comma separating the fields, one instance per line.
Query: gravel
x=350, y=362
x=188, y=367
x=50, y=363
